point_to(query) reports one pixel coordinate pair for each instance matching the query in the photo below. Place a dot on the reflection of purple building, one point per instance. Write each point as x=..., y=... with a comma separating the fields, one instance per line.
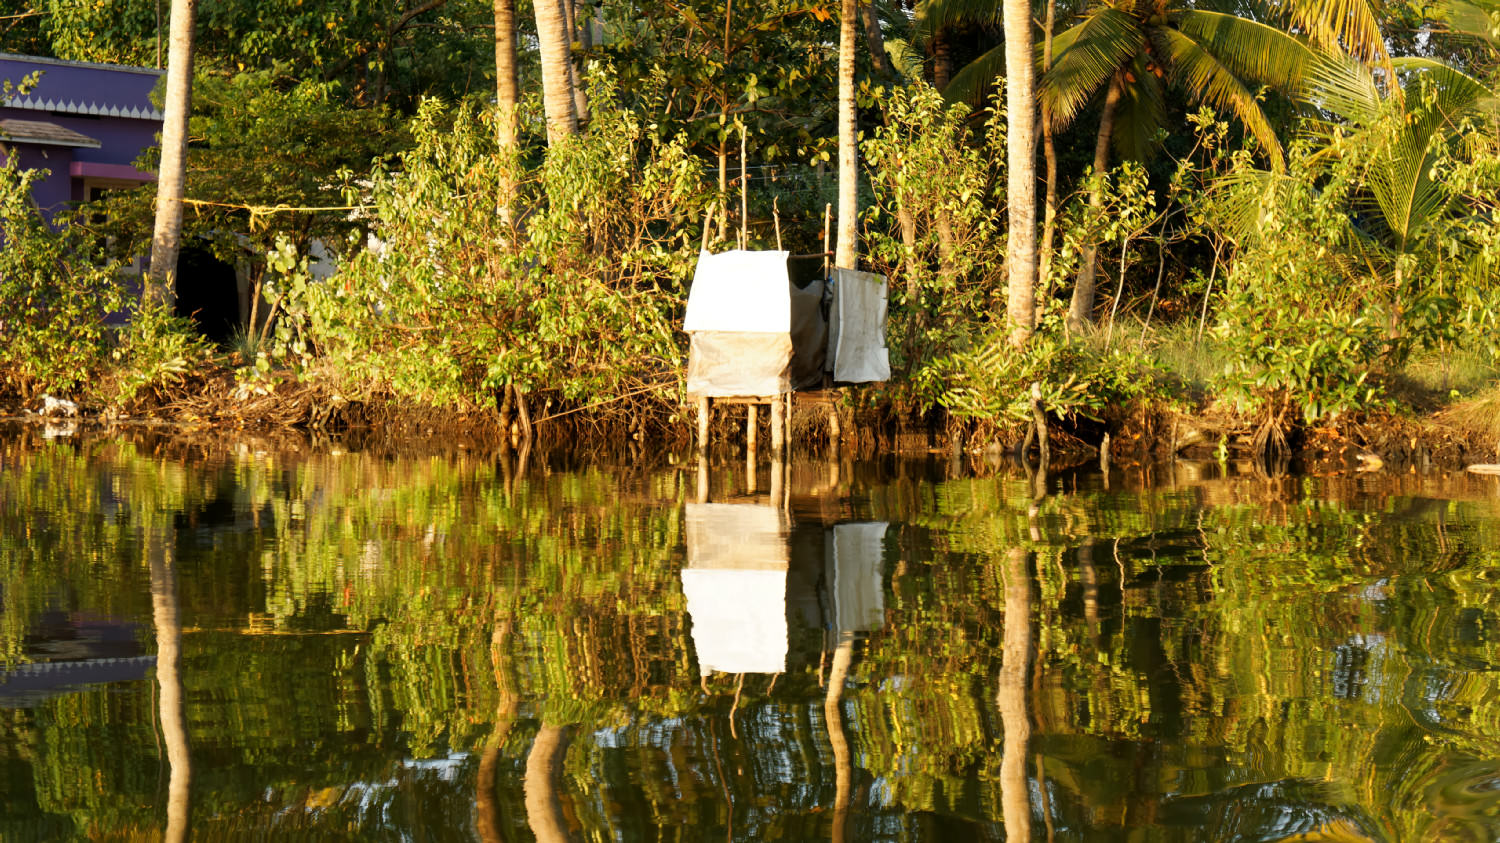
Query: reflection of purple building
x=86, y=123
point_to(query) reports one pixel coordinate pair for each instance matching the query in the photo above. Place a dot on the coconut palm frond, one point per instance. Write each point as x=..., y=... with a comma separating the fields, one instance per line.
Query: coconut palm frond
x=934, y=15
x=1451, y=90
x=1347, y=26
x=1200, y=72
x=1251, y=50
x=1472, y=20
x=1107, y=40
x=1344, y=87
x=905, y=58
x=973, y=82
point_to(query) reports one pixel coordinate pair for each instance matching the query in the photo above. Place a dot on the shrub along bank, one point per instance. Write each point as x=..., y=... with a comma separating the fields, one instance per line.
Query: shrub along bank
x=546, y=287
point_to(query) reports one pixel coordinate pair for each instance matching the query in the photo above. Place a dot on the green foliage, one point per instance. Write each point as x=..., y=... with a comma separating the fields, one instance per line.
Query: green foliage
x=935, y=228
x=453, y=300
x=156, y=349
x=993, y=382
x=54, y=300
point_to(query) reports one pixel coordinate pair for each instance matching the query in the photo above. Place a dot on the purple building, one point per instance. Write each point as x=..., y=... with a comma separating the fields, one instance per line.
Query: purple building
x=85, y=123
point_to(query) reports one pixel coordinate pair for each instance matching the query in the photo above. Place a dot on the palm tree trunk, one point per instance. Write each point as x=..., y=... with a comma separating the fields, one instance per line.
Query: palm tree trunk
x=169, y=678
x=847, y=254
x=942, y=60
x=166, y=237
x=875, y=40
x=1020, y=97
x=506, y=90
x=1049, y=154
x=557, y=79
x=1081, y=309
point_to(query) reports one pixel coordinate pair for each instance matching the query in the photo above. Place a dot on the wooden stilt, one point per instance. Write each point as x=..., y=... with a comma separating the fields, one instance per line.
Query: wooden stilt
x=776, y=478
x=835, y=434
x=751, y=411
x=703, y=411
x=778, y=424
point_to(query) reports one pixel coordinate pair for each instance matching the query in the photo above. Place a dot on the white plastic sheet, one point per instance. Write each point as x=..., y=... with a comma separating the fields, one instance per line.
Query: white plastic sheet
x=857, y=327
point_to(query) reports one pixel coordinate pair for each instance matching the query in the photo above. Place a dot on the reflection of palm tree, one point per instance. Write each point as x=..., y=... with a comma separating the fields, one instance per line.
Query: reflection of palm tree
x=486, y=810
x=843, y=764
x=543, y=767
x=1010, y=699
x=168, y=677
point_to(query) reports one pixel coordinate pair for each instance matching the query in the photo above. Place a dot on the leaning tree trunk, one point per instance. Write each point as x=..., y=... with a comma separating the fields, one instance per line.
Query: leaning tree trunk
x=847, y=255
x=1020, y=138
x=557, y=73
x=1081, y=309
x=167, y=234
x=575, y=73
x=875, y=40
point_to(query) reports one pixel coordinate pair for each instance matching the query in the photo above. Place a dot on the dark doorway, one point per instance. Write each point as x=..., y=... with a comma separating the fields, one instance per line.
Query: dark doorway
x=208, y=294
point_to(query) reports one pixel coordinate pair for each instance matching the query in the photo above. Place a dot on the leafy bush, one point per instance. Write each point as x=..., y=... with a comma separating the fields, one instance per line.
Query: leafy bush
x=55, y=300
x=566, y=282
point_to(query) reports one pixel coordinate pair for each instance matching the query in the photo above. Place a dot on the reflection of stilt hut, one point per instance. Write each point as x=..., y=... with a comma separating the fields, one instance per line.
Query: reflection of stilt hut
x=757, y=338
x=735, y=585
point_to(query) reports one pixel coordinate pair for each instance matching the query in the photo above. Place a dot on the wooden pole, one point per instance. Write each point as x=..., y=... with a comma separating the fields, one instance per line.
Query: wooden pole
x=778, y=429
x=751, y=411
x=703, y=411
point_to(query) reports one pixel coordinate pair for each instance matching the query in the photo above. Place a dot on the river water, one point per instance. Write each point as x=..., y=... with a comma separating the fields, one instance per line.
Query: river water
x=240, y=639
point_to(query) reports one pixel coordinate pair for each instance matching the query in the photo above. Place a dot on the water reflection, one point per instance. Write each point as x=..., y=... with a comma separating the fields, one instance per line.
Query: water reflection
x=469, y=647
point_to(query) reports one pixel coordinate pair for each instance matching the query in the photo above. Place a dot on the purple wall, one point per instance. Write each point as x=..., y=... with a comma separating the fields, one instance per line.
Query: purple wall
x=108, y=103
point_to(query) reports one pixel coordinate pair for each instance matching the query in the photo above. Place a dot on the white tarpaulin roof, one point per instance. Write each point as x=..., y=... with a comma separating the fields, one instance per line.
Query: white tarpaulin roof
x=735, y=585
x=740, y=291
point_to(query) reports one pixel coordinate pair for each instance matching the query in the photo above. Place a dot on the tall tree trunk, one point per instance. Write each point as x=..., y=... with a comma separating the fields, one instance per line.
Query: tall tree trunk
x=506, y=91
x=506, y=94
x=1049, y=154
x=847, y=252
x=1020, y=138
x=557, y=78
x=166, y=237
x=875, y=40
x=575, y=72
x=1081, y=309
x=1010, y=699
x=169, y=679
x=543, y=768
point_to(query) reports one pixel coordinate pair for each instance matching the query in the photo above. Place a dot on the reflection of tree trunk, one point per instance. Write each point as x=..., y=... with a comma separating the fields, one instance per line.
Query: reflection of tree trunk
x=486, y=809
x=1010, y=699
x=1090, y=580
x=169, y=678
x=543, y=768
x=843, y=765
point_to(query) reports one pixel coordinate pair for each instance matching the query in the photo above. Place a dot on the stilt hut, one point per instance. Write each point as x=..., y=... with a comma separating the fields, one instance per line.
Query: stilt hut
x=756, y=337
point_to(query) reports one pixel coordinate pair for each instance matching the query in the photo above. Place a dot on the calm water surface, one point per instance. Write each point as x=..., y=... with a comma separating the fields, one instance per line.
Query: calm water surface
x=241, y=641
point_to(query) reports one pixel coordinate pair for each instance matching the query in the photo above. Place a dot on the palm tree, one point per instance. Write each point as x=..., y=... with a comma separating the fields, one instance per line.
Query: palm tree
x=166, y=237
x=847, y=254
x=557, y=70
x=1020, y=118
x=1130, y=49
